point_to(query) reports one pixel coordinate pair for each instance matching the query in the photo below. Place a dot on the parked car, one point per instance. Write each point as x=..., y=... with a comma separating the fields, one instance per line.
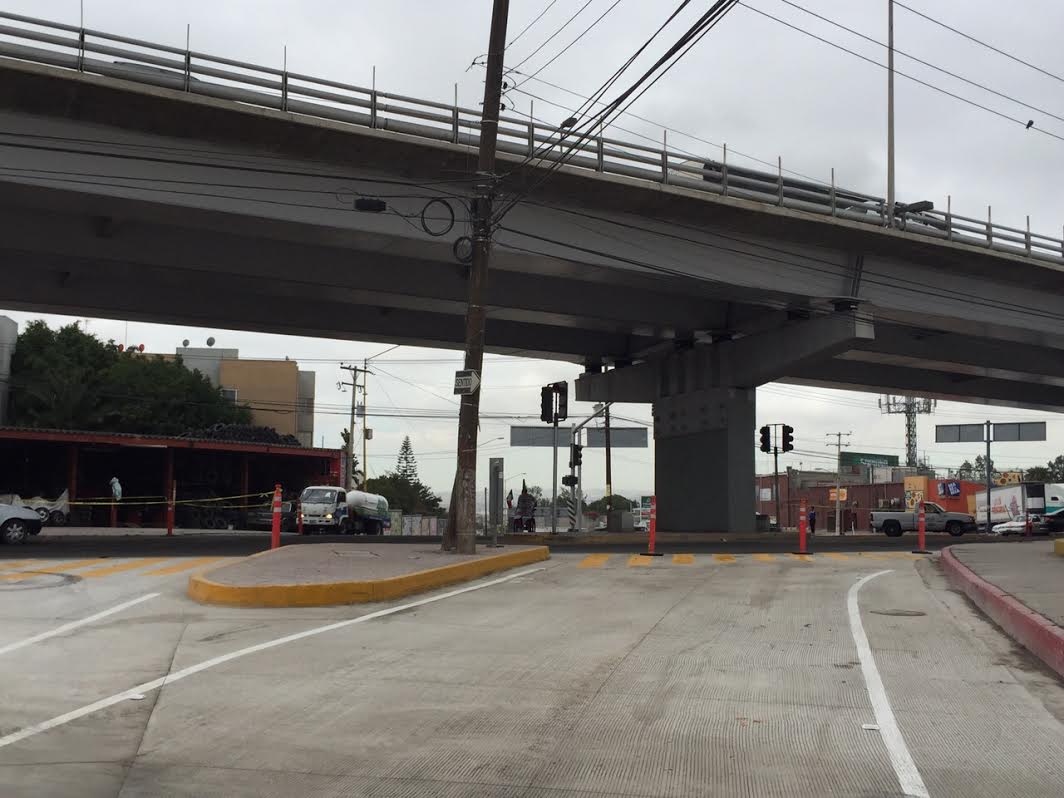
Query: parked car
x=18, y=523
x=893, y=523
x=641, y=526
x=1018, y=526
x=1054, y=522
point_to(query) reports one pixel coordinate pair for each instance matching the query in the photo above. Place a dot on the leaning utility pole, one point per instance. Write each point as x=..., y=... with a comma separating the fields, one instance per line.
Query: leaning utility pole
x=349, y=477
x=890, y=113
x=465, y=482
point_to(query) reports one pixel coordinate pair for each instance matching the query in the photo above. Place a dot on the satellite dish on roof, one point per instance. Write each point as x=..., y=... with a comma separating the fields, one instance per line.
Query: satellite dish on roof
x=210, y=341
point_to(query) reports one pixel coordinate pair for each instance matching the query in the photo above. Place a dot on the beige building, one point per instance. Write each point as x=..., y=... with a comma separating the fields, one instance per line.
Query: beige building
x=279, y=393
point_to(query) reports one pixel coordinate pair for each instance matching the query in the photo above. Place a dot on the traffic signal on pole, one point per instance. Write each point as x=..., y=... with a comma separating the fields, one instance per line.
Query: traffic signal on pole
x=788, y=438
x=562, y=389
x=546, y=404
x=766, y=438
x=576, y=455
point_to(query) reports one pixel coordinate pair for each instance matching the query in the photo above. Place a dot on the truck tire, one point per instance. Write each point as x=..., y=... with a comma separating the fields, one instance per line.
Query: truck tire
x=14, y=531
x=57, y=518
x=373, y=527
x=345, y=527
x=955, y=528
x=892, y=529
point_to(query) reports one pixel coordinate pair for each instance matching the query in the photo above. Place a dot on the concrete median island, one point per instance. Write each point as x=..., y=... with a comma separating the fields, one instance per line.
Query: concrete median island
x=348, y=573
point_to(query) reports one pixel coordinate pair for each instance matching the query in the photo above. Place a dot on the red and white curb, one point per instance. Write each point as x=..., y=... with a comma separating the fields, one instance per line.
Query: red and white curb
x=1033, y=631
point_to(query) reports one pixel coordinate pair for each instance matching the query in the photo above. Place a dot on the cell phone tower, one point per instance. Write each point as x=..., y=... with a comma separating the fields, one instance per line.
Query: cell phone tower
x=910, y=407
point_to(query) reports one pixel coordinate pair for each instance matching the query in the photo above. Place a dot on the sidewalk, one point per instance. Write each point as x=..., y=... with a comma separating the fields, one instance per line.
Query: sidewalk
x=1020, y=586
x=348, y=573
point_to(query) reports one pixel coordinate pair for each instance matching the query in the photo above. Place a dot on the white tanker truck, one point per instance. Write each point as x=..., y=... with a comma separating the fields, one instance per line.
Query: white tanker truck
x=326, y=508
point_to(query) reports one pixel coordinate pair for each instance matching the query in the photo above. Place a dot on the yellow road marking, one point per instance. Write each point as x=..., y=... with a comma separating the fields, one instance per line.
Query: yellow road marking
x=637, y=560
x=835, y=556
x=765, y=557
x=16, y=564
x=802, y=557
x=683, y=559
x=125, y=566
x=593, y=561
x=53, y=569
x=724, y=558
x=185, y=565
x=874, y=555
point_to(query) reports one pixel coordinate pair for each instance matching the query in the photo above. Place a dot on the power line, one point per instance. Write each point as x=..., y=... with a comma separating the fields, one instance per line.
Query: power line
x=914, y=79
x=937, y=68
x=980, y=42
x=563, y=27
x=562, y=52
x=536, y=19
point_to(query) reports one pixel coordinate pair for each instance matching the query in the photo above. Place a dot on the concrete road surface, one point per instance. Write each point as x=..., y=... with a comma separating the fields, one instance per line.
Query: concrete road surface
x=596, y=675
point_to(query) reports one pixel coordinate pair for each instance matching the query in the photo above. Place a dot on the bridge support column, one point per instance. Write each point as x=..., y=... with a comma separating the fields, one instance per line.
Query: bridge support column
x=704, y=461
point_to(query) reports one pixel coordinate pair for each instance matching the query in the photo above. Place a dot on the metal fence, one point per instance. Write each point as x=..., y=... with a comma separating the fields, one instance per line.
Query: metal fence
x=97, y=52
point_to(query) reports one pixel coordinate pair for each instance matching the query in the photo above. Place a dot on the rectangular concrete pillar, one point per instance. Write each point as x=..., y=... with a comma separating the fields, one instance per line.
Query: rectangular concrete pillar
x=704, y=461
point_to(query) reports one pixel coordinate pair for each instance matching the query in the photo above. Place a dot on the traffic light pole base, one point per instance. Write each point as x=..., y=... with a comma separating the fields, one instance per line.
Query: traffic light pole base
x=921, y=551
x=651, y=554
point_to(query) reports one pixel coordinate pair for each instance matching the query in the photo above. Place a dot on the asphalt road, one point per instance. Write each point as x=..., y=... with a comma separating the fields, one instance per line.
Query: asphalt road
x=602, y=674
x=142, y=543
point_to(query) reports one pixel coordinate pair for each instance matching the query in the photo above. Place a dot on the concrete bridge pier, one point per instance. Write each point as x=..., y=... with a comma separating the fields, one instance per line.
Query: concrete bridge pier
x=704, y=412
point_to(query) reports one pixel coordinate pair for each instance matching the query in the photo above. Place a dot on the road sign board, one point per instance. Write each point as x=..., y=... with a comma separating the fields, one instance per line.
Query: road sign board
x=841, y=495
x=1022, y=431
x=466, y=382
x=959, y=433
x=539, y=436
x=620, y=437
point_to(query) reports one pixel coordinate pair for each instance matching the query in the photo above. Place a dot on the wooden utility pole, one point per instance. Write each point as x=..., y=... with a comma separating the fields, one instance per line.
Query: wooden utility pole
x=464, y=495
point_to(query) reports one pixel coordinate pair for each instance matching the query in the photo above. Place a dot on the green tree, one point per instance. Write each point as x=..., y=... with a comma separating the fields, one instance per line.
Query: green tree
x=407, y=464
x=1056, y=468
x=617, y=502
x=1038, y=474
x=69, y=379
x=967, y=471
x=413, y=498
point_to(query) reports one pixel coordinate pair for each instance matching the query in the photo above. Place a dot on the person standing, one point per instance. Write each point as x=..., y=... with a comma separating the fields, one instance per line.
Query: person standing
x=812, y=520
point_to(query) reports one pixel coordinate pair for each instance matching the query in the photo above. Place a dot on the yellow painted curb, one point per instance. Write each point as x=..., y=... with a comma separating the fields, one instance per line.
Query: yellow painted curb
x=1058, y=547
x=322, y=594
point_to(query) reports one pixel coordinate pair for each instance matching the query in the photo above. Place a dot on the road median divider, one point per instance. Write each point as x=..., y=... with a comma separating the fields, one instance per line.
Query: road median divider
x=260, y=580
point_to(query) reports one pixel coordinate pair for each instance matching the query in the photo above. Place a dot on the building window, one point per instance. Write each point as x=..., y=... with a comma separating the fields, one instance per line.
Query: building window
x=230, y=394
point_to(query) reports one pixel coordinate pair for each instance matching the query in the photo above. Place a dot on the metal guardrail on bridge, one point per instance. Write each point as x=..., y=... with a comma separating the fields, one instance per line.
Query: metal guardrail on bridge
x=78, y=48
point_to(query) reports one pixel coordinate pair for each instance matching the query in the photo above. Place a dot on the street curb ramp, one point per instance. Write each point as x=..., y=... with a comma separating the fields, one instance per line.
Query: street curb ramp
x=1033, y=631
x=321, y=594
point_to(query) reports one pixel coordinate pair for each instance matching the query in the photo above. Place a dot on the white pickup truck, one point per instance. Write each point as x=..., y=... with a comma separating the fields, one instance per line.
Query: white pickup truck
x=893, y=523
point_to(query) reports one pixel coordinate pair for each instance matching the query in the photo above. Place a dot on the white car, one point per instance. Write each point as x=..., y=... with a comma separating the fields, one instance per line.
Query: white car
x=641, y=526
x=1017, y=526
x=18, y=523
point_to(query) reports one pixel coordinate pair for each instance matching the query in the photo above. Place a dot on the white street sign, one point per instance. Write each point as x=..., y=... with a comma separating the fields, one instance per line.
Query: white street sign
x=466, y=382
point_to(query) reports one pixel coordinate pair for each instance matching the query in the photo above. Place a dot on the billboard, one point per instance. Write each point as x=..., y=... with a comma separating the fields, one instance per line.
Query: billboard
x=868, y=459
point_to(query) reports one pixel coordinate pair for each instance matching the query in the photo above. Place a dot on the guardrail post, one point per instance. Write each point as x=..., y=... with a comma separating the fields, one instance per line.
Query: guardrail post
x=600, y=154
x=373, y=101
x=949, y=217
x=989, y=228
x=454, y=118
x=724, y=172
x=834, y=203
x=779, y=166
x=1027, y=239
x=665, y=157
x=81, y=50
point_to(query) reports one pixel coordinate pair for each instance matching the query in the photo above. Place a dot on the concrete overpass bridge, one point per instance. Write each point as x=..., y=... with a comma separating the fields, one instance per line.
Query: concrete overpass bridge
x=140, y=181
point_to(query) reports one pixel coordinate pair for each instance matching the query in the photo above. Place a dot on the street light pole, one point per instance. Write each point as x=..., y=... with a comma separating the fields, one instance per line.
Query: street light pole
x=890, y=113
x=465, y=483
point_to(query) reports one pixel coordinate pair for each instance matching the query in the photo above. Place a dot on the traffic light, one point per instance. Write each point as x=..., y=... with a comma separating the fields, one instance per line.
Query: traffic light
x=788, y=438
x=546, y=404
x=562, y=389
x=766, y=438
x=576, y=455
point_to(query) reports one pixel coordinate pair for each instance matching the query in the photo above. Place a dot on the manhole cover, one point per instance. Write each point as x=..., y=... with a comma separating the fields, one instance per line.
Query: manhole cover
x=899, y=613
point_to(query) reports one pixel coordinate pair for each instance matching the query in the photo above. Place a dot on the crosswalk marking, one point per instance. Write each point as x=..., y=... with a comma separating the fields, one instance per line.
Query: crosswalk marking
x=96, y=573
x=185, y=565
x=53, y=569
x=638, y=560
x=765, y=557
x=724, y=558
x=683, y=559
x=594, y=561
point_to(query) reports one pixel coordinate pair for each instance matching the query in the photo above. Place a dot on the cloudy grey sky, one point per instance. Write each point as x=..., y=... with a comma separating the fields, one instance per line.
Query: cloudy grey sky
x=763, y=88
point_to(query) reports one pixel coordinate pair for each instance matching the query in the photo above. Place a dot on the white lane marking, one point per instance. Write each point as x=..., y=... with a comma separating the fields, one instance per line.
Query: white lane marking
x=155, y=684
x=29, y=641
x=904, y=767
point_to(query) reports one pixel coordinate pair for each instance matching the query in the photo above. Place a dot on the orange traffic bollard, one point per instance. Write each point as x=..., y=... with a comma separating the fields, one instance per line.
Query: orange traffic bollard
x=652, y=529
x=921, y=532
x=275, y=534
x=802, y=546
x=299, y=518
